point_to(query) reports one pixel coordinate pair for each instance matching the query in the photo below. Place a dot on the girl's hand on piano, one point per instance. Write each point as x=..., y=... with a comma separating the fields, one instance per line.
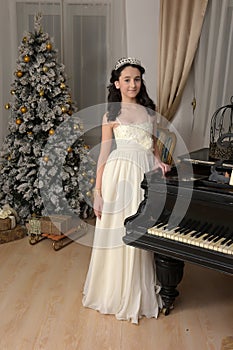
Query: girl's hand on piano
x=163, y=166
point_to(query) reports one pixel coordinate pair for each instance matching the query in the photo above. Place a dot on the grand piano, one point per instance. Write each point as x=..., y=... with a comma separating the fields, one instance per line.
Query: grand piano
x=185, y=216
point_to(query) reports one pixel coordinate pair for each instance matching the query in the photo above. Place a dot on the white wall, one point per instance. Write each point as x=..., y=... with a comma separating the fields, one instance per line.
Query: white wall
x=5, y=65
x=142, y=20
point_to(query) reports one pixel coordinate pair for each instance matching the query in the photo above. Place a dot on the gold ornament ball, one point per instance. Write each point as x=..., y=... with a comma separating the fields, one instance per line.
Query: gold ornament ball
x=92, y=181
x=41, y=93
x=62, y=86
x=45, y=69
x=24, y=39
x=51, y=132
x=76, y=127
x=89, y=193
x=69, y=149
x=46, y=159
x=12, y=92
x=9, y=157
x=18, y=121
x=19, y=74
x=63, y=108
x=84, y=174
x=49, y=46
x=23, y=109
x=7, y=106
x=86, y=146
x=29, y=133
x=27, y=58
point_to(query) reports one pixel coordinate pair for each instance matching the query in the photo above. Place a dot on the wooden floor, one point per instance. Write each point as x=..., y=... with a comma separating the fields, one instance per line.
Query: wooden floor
x=41, y=309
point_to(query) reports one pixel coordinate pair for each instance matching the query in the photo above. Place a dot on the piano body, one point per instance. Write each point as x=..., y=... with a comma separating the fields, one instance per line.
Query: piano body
x=184, y=217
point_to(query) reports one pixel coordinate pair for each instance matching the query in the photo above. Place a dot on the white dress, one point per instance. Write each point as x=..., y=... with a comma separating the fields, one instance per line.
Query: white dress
x=121, y=279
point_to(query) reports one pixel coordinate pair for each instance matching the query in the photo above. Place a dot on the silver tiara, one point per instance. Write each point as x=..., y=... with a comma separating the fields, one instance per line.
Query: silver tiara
x=129, y=60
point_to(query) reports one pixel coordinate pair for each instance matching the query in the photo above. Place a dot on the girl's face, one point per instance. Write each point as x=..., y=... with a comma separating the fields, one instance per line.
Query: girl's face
x=129, y=83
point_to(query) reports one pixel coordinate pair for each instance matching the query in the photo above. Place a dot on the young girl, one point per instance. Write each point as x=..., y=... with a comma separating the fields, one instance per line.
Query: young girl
x=121, y=279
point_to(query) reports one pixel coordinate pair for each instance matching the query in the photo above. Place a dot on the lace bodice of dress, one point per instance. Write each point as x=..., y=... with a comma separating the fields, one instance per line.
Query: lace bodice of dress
x=134, y=126
x=131, y=133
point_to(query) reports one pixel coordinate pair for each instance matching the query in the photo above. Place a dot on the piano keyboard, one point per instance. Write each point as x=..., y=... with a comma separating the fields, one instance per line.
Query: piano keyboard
x=205, y=235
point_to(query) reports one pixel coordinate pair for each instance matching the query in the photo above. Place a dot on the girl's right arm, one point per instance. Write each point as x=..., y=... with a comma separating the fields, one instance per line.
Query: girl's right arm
x=105, y=149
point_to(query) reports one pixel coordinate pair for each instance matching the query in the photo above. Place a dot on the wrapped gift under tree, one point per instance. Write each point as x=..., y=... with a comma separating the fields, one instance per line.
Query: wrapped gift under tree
x=52, y=225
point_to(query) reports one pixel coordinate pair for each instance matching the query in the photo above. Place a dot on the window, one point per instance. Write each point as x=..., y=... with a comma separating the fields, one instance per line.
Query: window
x=85, y=36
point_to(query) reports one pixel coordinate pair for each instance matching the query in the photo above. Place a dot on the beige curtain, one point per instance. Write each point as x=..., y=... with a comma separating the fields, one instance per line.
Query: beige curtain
x=180, y=28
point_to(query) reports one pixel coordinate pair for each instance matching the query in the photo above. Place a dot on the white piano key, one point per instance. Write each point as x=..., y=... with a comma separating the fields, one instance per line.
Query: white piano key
x=188, y=238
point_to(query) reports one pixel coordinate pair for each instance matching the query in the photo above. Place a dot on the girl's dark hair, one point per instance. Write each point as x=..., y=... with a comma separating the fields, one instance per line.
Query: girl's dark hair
x=114, y=94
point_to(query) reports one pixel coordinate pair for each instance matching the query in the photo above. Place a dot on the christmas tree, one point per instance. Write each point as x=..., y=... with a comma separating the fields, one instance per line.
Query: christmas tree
x=46, y=168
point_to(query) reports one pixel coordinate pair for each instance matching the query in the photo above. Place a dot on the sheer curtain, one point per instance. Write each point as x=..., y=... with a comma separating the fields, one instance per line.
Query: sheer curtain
x=213, y=68
x=89, y=35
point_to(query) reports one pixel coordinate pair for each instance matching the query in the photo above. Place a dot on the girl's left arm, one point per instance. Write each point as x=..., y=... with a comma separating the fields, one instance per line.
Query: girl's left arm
x=158, y=163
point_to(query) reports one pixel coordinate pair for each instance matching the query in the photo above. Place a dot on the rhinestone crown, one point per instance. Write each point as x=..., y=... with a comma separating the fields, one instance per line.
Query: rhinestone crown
x=129, y=60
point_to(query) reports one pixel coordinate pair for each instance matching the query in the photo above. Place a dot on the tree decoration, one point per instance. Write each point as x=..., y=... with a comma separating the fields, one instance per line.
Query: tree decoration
x=49, y=46
x=51, y=132
x=76, y=127
x=46, y=159
x=18, y=121
x=26, y=58
x=19, y=73
x=23, y=109
x=40, y=174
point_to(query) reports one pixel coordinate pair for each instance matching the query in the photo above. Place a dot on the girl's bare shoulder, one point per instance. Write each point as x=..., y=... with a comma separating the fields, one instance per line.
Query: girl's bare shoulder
x=106, y=122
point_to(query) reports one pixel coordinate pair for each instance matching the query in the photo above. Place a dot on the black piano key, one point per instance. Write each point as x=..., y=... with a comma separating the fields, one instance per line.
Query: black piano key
x=229, y=240
x=216, y=234
x=187, y=224
x=211, y=232
x=221, y=235
x=197, y=225
x=228, y=236
x=161, y=221
x=200, y=230
x=177, y=227
x=194, y=225
x=171, y=225
x=160, y=224
x=206, y=227
x=183, y=225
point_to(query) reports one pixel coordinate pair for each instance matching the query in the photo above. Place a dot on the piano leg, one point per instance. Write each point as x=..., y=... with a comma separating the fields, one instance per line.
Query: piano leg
x=169, y=273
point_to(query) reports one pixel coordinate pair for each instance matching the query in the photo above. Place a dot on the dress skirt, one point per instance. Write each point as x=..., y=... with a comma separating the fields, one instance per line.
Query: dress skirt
x=121, y=279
